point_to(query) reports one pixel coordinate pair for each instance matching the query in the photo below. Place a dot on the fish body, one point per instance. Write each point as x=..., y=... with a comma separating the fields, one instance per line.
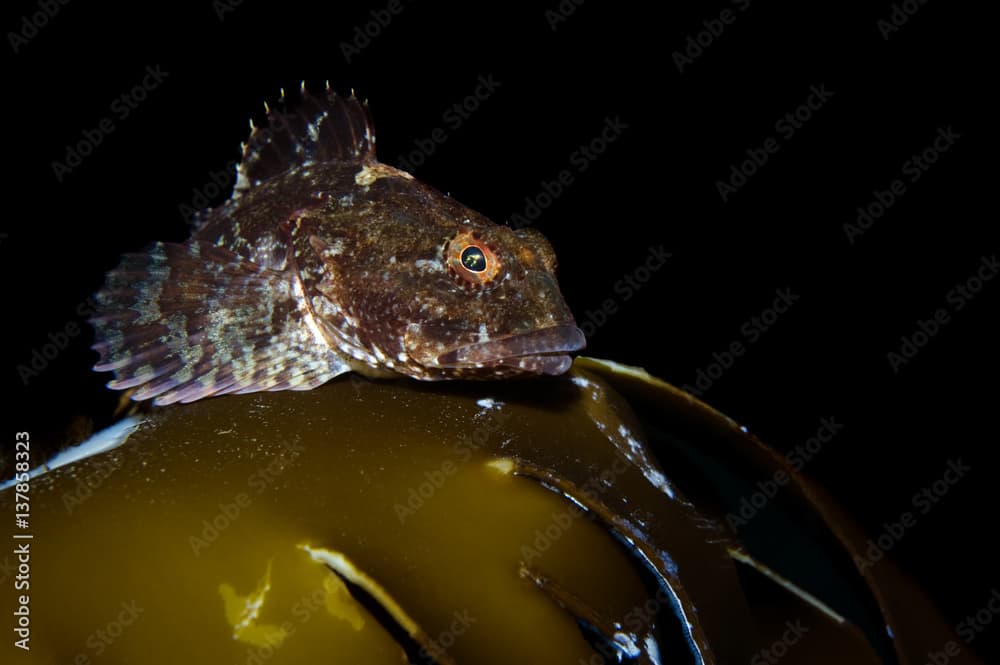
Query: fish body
x=326, y=261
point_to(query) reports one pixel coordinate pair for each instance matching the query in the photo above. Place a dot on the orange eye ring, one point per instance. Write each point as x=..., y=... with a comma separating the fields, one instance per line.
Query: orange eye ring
x=471, y=260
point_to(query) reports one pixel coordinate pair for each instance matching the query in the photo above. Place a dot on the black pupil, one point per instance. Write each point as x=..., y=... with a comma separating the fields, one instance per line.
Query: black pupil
x=473, y=259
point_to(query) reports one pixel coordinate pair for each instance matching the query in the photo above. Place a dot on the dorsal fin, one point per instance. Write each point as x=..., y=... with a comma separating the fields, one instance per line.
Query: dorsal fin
x=318, y=129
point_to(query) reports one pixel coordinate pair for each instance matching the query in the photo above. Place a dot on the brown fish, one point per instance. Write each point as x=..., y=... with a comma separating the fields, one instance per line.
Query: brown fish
x=326, y=261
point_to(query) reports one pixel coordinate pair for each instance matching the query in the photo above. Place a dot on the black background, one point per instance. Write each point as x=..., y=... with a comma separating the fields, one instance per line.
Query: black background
x=656, y=184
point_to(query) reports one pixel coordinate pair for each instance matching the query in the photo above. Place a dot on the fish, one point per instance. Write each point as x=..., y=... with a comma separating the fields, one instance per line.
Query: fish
x=325, y=261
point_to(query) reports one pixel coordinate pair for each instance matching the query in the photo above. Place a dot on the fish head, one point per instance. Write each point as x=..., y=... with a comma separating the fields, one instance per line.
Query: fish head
x=439, y=296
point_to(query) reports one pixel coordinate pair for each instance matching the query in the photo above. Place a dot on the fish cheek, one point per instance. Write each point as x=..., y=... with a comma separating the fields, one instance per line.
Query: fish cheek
x=331, y=271
x=322, y=271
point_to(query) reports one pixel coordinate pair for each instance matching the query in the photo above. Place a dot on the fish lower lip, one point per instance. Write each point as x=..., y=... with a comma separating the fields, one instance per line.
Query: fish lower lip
x=539, y=350
x=551, y=364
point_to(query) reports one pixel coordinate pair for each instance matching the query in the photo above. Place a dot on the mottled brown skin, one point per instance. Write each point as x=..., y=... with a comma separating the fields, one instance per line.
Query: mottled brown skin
x=326, y=261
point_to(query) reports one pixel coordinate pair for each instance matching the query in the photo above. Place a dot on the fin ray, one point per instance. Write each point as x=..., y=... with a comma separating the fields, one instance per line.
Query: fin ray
x=320, y=129
x=185, y=321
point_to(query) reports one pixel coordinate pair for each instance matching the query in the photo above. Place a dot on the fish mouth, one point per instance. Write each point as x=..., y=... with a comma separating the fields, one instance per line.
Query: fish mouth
x=541, y=351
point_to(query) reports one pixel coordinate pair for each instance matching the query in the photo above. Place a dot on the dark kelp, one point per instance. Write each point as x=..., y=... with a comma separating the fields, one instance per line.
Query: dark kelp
x=452, y=523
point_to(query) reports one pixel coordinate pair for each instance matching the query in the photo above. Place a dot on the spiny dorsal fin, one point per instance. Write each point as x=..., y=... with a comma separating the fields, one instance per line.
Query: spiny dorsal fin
x=318, y=129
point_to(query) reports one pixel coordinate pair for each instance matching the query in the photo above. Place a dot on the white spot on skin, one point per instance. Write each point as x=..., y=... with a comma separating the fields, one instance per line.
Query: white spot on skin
x=372, y=172
x=335, y=248
x=365, y=176
x=428, y=265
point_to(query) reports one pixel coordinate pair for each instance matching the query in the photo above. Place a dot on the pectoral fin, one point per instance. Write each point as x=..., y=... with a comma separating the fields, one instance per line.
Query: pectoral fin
x=185, y=321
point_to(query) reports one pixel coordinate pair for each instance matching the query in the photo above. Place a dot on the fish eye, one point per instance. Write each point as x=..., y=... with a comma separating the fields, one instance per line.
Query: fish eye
x=474, y=259
x=471, y=261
